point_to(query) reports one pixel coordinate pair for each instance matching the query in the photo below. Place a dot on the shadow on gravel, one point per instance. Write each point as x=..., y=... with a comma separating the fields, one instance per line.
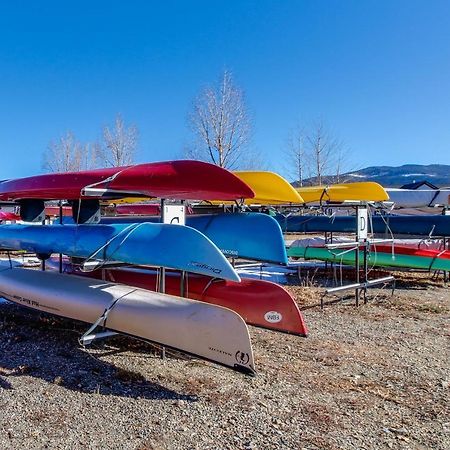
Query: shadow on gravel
x=39, y=345
x=4, y=384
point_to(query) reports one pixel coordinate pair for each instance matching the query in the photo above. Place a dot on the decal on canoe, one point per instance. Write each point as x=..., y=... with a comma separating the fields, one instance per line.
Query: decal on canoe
x=242, y=358
x=31, y=303
x=273, y=317
x=234, y=253
x=206, y=267
x=222, y=352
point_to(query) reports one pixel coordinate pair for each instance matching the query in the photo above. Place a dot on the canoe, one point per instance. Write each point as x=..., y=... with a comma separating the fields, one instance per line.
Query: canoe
x=259, y=303
x=418, y=198
x=366, y=191
x=8, y=216
x=420, y=225
x=182, y=180
x=141, y=209
x=411, y=251
x=252, y=236
x=141, y=244
x=269, y=188
x=54, y=211
x=208, y=331
x=376, y=257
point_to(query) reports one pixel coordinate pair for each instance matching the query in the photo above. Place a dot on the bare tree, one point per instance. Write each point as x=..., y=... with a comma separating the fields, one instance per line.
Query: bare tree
x=326, y=152
x=315, y=155
x=67, y=154
x=119, y=144
x=221, y=125
x=297, y=155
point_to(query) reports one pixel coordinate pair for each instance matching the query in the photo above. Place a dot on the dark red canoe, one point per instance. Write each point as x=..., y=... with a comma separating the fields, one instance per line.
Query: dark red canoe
x=181, y=180
x=4, y=215
x=138, y=209
x=260, y=303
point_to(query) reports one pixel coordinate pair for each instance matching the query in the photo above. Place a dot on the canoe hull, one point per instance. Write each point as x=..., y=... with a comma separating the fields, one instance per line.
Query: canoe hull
x=338, y=193
x=182, y=180
x=376, y=258
x=140, y=244
x=426, y=225
x=418, y=198
x=211, y=332
x=252, y=236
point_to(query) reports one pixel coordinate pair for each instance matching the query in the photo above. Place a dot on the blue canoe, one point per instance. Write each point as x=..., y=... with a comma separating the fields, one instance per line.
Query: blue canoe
x=252, y=236
x=154, y=244
x=435, y=225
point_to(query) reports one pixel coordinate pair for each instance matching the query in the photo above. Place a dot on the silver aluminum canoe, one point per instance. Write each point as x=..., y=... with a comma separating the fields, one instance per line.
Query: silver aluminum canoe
x=208, y=331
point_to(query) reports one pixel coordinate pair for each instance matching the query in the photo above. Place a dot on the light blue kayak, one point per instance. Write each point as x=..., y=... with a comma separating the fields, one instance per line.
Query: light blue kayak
x=252, y=236
x=154, y=244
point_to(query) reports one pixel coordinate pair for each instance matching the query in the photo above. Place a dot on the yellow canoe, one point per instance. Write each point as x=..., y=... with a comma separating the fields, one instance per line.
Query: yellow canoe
x=269, y=188
x=127, y=200
x=365, y=191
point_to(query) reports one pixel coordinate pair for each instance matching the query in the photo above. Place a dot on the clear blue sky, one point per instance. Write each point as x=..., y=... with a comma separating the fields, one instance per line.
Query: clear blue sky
x=377, y=71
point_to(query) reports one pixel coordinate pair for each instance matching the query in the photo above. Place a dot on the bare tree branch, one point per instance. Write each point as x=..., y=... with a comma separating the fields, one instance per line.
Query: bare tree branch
x=326, y=153
x=221, y=125
x=297, y=156
x=67, y=154
x=316, y=155
x=119, y=144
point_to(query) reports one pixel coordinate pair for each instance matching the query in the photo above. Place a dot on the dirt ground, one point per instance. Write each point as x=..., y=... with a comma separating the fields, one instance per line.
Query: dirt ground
x=371, y=377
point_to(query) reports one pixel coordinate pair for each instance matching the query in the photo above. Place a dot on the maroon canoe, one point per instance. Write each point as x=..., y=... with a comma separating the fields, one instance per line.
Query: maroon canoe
x=4, y=215
x=183, y=179
x=138, y=209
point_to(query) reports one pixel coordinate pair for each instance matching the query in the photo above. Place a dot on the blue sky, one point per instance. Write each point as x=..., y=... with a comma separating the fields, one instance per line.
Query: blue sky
x=378, y=72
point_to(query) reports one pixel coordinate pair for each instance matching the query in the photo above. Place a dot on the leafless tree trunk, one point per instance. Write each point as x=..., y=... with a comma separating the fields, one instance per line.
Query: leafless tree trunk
x=67, y=154
x=325, y=150
x=119, y=144
x=220, y=122
x=297, y=155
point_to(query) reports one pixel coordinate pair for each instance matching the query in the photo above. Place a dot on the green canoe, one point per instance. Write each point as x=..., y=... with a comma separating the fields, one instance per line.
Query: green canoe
x=382, y=259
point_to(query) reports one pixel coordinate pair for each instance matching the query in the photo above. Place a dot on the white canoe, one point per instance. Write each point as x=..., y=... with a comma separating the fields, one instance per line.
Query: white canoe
x=418, y=198
x=208, y=331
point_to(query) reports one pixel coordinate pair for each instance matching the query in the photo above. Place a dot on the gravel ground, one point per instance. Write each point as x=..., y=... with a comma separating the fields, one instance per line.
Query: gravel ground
x=371, y=377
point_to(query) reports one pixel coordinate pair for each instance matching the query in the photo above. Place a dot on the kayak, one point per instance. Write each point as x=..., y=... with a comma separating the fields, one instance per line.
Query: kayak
x=260, y=303
x=208, y=331
x=155, y=244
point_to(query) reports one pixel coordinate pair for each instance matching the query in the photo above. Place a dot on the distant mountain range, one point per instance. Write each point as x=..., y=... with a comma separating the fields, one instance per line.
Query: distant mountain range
x=437, y=174
x=388, y=176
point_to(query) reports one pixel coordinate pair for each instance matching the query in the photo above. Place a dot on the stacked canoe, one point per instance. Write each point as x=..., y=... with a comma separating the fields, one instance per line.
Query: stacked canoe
x=205, y=305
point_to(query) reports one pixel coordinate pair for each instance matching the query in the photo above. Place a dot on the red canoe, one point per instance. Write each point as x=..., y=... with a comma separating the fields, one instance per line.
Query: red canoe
x=138, y=209
x=181, y=180
x=54, y=211
x=412, y=251
x=4, y=215
x=260, y=303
